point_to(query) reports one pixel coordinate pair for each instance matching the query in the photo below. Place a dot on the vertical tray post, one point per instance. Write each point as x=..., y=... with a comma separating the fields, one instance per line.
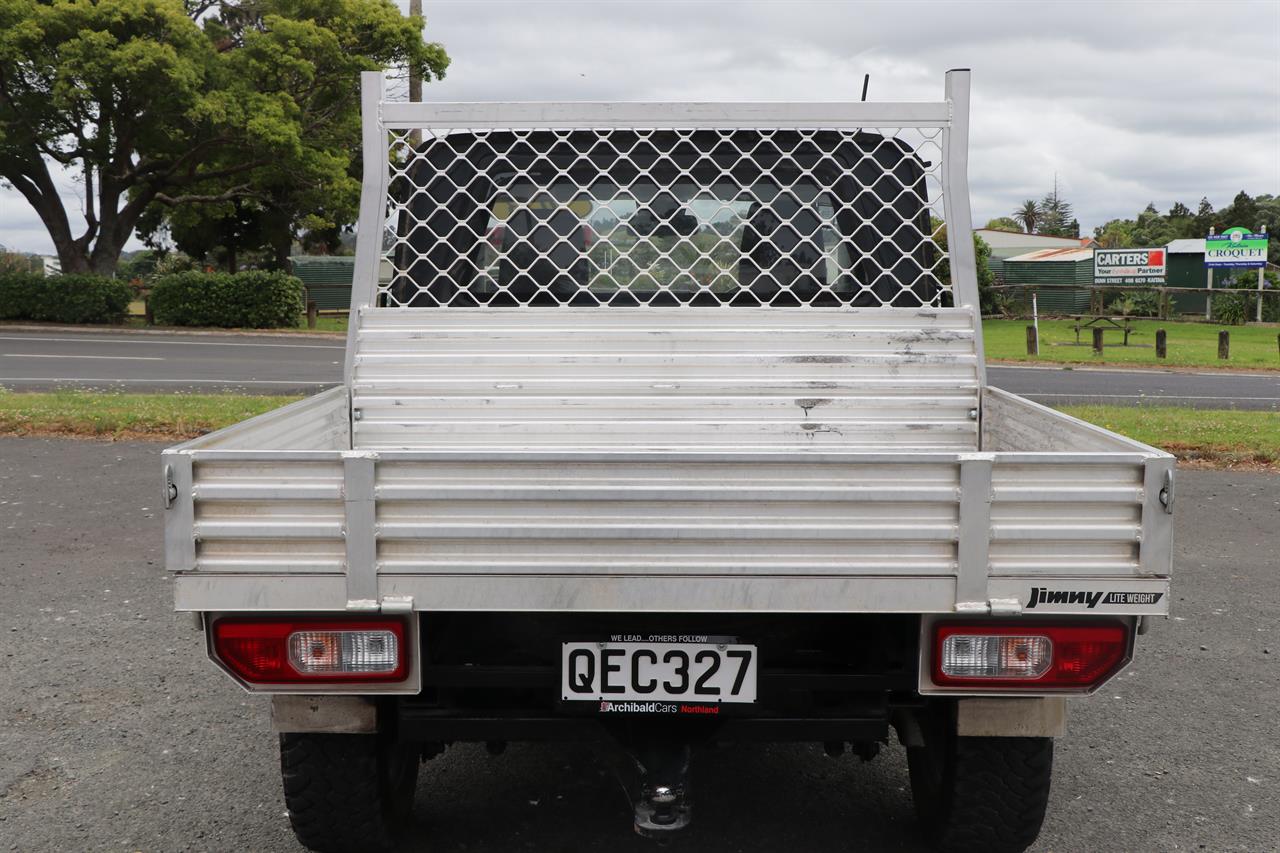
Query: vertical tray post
x=974, y=541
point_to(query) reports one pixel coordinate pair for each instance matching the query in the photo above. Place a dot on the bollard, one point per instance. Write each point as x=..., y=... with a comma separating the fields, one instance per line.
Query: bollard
x=1224, y=344
x=1161, y=347
x=1097, y=341
x=1033, y=342
x=313, y=310
x=148, y=316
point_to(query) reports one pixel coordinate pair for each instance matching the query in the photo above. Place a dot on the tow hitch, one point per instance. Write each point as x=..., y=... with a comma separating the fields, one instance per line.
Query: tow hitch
x=663, y=804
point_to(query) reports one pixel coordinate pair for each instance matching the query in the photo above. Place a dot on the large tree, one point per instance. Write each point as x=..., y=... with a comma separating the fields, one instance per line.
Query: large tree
x=1028, y=214
x=314, y=191
x=1204, y=217
x=157, y=102
x=1056, y=216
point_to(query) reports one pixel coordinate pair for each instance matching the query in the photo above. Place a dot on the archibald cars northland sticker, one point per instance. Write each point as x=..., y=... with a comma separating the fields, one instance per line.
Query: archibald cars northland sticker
x=1091, y=599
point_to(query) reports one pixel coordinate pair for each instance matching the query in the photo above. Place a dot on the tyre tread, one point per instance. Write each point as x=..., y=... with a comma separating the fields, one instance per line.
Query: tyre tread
x=332, y=793
x=999, y=796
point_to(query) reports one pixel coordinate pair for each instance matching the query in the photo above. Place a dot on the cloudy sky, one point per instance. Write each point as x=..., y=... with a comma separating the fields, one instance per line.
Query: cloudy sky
x=1125, y=102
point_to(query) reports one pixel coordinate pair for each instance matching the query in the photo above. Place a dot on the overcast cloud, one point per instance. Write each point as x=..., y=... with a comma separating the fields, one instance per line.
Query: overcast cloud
x=1126, y=102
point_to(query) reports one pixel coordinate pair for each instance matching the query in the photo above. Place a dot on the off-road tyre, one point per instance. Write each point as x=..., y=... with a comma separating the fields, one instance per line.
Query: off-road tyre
x=979, y=794
x=347, y=793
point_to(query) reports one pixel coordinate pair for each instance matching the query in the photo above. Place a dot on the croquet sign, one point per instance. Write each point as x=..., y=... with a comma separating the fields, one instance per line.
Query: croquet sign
x=1128, y=266
x=1236, y=247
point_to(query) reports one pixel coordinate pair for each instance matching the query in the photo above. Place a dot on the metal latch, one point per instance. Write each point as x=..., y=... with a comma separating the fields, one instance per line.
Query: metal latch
x=397, y=604
x=1166, y=492
x=1005, y=607
x=400, y=604
x=170, y=487
x=993, y=607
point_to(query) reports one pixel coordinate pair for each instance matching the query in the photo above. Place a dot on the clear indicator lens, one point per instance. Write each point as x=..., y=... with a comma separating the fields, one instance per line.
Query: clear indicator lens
x=344, y=651
x=994, y=656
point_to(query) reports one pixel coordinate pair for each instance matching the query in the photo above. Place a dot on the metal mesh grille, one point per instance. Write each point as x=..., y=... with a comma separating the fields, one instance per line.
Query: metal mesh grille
x=665, y=217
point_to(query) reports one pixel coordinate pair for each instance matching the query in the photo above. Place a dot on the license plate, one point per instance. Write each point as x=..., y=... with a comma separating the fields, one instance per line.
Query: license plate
x=654, y=671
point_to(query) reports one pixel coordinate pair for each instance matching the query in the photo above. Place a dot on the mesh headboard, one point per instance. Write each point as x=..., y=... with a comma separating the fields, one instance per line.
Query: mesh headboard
x=665, y=274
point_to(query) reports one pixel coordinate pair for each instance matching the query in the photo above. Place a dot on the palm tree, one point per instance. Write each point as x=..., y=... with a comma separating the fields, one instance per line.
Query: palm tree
x=1028, y=215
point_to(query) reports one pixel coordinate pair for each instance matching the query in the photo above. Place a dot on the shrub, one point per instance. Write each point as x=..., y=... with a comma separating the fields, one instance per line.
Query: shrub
x=174, y=262
x=1232, y=309
x=1125, y=306
x=63, y=298
x=253, y=299
x=1137, y=303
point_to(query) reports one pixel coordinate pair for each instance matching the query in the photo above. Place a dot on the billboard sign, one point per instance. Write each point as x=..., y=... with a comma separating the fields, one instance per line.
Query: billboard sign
x=1128, y=266
x=1236, y=247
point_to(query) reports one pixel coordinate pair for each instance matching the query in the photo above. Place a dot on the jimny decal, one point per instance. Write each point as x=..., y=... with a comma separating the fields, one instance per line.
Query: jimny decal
x=1089, y=598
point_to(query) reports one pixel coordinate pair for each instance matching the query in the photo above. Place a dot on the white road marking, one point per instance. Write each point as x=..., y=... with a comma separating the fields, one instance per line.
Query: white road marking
x=108, y=357
x=1154, y=371
x=1147, y=396
x=169, y=342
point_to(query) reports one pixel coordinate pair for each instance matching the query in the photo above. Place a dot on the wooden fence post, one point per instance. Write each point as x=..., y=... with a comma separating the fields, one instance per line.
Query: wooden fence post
x=313, y=310
x=1224, y=344
x=1161, y=344
x=1097, y=340
x=1033, y=342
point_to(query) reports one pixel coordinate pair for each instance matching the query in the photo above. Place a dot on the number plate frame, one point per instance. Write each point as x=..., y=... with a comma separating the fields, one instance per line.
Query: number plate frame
x=713, y=666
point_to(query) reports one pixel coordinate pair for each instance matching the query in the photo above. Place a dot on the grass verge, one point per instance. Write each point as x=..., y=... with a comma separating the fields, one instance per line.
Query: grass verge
x=1190, y=344
x=109, y=415
x=1221, y=437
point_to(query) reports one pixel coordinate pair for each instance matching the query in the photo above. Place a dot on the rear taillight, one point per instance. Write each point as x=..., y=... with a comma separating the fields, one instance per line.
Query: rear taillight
x=323, y=651
x=1028, y=655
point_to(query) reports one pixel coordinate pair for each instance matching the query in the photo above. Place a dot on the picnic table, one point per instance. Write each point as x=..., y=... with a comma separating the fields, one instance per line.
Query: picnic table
x=1108, y=324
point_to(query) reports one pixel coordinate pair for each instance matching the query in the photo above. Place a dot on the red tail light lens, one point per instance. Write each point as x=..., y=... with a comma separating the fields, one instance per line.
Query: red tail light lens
x=324, y=651
x=1028, y=655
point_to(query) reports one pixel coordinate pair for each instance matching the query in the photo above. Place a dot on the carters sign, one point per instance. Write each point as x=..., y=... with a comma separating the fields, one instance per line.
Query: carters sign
x=1128, y=266
x=1235, y=247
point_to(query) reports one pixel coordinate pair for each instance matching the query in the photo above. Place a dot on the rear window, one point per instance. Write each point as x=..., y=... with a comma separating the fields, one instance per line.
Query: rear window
x=649, y=238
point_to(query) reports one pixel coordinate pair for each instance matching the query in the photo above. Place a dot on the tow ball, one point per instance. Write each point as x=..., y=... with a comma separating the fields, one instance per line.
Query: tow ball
x=663, y=805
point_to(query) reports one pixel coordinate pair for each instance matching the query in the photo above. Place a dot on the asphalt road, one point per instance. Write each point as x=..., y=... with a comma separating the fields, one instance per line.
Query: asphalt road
x=256, y=364
x=116, y=734
x=283, y=364
x=1207, y=390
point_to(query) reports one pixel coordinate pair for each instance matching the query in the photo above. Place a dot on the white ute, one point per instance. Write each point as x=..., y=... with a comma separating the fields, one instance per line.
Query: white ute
x=667, y=425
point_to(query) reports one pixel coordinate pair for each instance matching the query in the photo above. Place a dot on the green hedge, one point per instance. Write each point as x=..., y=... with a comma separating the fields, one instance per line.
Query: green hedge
x=63, y=298
x=250, y=300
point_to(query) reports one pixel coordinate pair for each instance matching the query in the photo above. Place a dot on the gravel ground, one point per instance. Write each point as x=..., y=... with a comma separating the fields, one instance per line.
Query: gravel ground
x=116, y=734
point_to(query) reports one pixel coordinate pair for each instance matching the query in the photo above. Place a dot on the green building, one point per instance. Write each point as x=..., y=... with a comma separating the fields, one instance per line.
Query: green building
x=327, y=279
x=1060, y=277
x=1186, y=269
x=1009, y=244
